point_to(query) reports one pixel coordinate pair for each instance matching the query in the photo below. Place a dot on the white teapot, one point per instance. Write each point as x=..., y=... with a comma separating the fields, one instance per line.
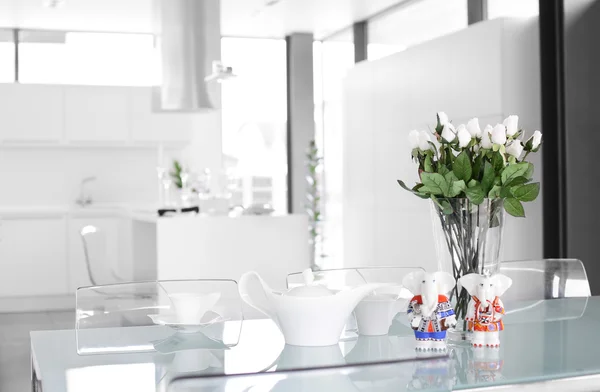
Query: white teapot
x=309, y=315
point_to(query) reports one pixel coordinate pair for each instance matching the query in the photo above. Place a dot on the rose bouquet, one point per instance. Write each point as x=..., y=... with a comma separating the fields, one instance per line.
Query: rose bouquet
x=471, y=176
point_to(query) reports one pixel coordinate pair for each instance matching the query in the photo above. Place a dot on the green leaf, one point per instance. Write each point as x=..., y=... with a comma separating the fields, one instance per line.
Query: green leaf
x=529, y=172
x=428, y=164
x=444, y=204
x=514, y=207
x=517, y=181
x=450, y=176
x=527, y=192
x=435, y=182
x=497, y=162
x=415, y=190
x=505, y=191
x=488, y=177
x=513, y=171
x=443, y=170
x=475, y=194
x=456, y=188
x=462, y=166
x=424, y=191
x=472, y=183
x=477, y=165
x=495, y=192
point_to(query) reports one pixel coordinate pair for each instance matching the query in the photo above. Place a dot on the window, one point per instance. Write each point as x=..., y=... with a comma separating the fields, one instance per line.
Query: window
x=254, y=115
x=413, y=24
x=514, y=8
x=7, y=57
x=88, y=58
x=333, y=58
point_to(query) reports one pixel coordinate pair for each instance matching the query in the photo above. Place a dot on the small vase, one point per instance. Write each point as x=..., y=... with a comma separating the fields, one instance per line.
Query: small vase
x=468, y=239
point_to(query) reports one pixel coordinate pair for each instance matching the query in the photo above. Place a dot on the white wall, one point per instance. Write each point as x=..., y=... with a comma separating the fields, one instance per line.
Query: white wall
x=489, y=70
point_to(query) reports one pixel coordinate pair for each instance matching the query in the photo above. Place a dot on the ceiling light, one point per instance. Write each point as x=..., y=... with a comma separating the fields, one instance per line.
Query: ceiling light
x=54, y=3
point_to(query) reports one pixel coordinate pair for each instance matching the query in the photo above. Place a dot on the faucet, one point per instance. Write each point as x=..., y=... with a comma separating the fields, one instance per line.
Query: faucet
x=83, y=199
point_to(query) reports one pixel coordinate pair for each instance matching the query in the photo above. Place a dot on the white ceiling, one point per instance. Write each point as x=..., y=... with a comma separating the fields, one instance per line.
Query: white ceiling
x=248, y=18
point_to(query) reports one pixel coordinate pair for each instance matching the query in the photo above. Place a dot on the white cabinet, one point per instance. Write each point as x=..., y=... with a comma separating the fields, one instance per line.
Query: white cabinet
x=114, y=258
x=31, y=113
x=97, y=114
x=33, y=257
x=148, y=126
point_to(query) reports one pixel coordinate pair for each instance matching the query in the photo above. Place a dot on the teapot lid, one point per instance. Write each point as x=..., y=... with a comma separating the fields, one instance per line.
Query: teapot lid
x=309, y=289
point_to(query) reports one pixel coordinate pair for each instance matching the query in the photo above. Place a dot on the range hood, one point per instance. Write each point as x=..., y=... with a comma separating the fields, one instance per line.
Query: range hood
x=189, y=40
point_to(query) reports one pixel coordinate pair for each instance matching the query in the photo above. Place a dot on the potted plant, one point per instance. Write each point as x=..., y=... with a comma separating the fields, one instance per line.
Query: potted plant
x=472, y=177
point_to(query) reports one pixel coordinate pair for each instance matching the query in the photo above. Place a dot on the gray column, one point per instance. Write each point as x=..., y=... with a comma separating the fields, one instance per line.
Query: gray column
x=361, y=40
x=581, y=136
x=477, y=10
x=300, y=115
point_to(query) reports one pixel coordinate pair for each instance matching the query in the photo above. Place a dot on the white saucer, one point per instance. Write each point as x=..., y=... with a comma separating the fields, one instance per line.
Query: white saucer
x=170, y=320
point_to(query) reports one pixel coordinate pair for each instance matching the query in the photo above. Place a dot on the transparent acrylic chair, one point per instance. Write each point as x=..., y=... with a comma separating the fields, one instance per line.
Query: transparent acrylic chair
x=338, y=279
x=546, y=279
x=158, y=316
x=96, y=256
x=428, y=374
x=535, y=281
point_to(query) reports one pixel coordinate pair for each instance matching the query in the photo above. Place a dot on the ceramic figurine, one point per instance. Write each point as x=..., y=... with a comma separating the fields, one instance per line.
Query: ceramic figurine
x=485, y=310
x=308, y=315
x=429, y=311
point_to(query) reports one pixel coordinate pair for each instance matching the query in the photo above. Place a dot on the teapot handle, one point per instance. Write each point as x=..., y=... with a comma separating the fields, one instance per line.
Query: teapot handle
x=263, y=304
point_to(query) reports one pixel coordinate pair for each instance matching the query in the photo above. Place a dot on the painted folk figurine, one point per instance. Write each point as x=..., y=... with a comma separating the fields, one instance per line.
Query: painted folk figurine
x=485, y=311
x=429, y=311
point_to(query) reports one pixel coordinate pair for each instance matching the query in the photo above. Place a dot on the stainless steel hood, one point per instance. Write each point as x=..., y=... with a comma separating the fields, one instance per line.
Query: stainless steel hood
x=189, y=38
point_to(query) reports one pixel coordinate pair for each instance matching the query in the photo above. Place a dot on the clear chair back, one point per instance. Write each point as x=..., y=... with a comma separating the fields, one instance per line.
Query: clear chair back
x=546, y=279
x=97, y=260
x=158, y=316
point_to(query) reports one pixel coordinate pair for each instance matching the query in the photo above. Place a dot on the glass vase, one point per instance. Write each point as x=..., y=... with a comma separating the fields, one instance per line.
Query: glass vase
x=468, y=239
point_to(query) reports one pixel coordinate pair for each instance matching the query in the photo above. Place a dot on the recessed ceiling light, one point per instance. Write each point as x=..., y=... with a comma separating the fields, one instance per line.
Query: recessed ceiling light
x=54, y=3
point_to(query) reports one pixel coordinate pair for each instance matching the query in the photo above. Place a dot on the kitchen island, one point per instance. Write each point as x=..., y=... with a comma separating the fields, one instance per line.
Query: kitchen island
x=219, y=247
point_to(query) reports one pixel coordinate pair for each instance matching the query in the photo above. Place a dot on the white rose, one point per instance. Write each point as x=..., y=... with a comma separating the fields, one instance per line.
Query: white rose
x=448, y=133
x=512, y=125
x=486, y=142
x=499, y=134
x=413, y=139
x=473, y=127
x=424, y=140
x=537, y=139
x=464, y=137
x=443, y=118
x=515, y=149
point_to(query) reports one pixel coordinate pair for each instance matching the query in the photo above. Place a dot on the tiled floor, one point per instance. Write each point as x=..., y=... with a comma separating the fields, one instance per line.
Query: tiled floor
x=14, y=344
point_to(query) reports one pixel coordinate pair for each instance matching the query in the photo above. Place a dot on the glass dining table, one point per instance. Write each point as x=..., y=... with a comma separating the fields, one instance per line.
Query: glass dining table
x=546, y=342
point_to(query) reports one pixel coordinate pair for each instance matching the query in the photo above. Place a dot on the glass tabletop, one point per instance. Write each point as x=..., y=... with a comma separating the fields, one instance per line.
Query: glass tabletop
x=543, y=340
